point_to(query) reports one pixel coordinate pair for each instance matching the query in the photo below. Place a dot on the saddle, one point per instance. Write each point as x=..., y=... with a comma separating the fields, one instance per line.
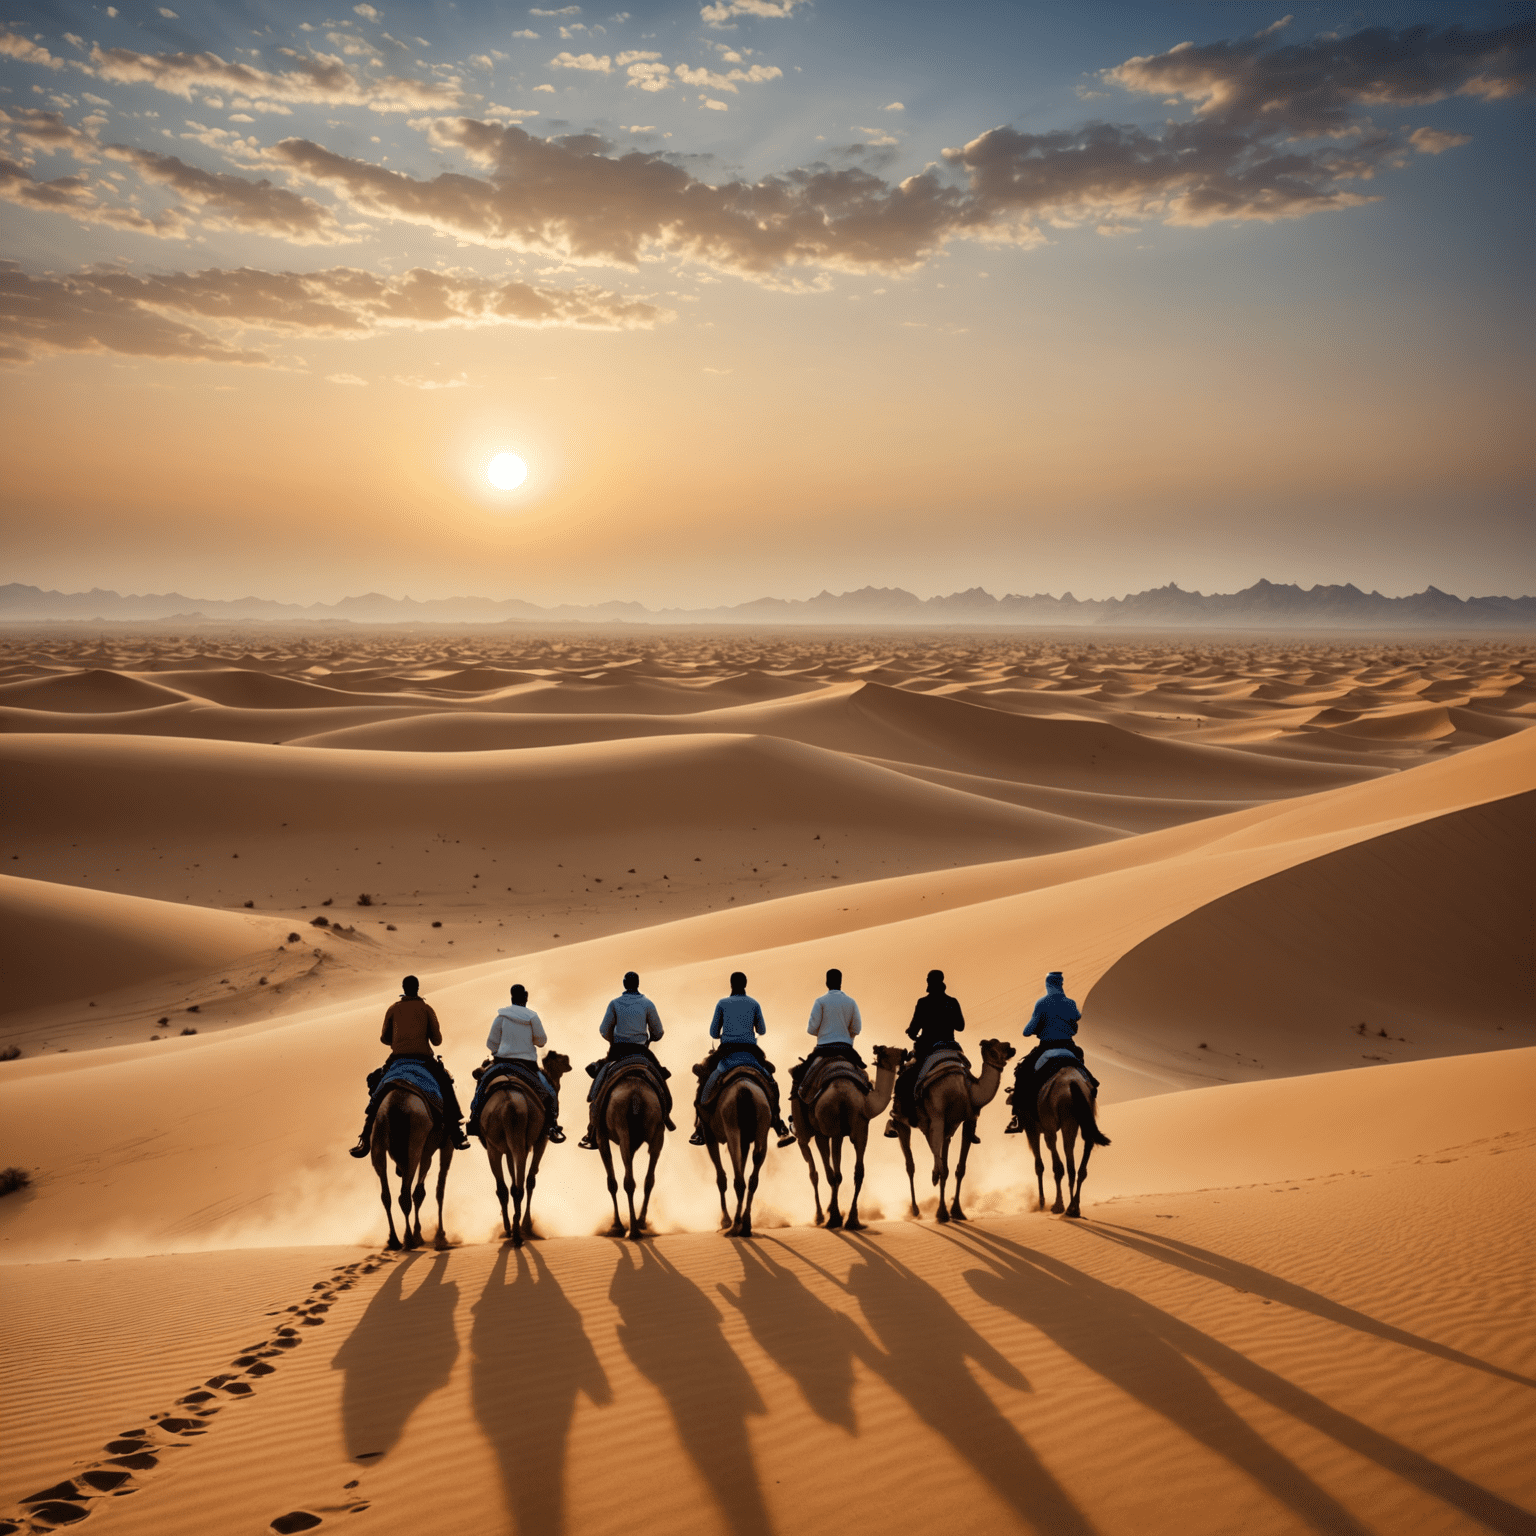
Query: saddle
x=823, y=1071
x=414, y=1077
x=611, y=1073
x=494, y=1074
x=942, y=1061
x=725, y=1066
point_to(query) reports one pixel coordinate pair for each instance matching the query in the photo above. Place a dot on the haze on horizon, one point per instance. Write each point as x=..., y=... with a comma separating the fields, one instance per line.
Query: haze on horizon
x=771, y=295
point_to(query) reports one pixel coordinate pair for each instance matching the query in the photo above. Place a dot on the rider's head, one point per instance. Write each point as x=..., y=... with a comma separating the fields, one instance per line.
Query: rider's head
x=631, y=981
x=738, y=983
x=935, y=981
x=410, y=986
x=835, y=980
x=519, y=994
x=1054, y=979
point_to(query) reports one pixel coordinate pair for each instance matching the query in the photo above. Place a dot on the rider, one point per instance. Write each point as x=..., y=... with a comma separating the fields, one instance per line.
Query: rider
x=936, y=1020
x=738, y=1019
x=410, y=1031
x=515, y=1031
x=629, y=1025
x=834, y=1022
x=1053, y=1023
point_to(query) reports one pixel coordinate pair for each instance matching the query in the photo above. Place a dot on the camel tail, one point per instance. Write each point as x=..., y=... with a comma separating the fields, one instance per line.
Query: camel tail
x=1082, y=1107
x=746, y=1118
x=634, y=1112
x=845, y=1118
x=399, y=1137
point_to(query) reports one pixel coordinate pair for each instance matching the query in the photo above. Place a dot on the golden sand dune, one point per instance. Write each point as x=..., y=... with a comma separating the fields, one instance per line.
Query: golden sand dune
x=1298, y=1302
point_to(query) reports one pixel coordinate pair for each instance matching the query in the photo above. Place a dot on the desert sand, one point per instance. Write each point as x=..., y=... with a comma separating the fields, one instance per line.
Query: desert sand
x=1289, y=883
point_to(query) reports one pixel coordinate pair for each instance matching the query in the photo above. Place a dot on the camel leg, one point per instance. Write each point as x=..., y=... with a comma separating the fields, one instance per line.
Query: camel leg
x=419, y=1193
x=832, y=1158
x=714, y=1157
x=966, y=1127
x=406, y=1173
x=381, y=1167
x=1034, y=1147
x=650, y=1184
x=938, y=1143
x=904, y=1136
x=810, y=1162
x=759, y=1152
x=1082, y=1173
x=517, y=1161
x=1057, y=1170
x=738, y=1153
x=627, y=1152
x=444, y=1159
x=1069, y=1145
x=533, y=1178
x=605, y=1148
x=860, y=1138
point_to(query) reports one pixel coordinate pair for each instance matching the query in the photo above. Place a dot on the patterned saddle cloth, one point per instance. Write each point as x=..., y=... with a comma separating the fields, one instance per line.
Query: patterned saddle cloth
x=611, y=1073
x=823, y=1071
x=414, y=1076
x=522, y=1072
x=941, y=1061
x=730, y=1065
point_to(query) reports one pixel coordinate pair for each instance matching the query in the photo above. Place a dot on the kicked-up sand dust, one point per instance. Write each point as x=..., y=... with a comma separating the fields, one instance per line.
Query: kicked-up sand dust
x=1289, y=882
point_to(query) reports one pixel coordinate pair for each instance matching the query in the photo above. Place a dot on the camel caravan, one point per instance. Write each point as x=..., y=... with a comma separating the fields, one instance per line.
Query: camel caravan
x=930, y=1091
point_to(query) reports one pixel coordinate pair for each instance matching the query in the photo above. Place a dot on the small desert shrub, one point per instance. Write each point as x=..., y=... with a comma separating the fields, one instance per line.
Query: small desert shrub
x=189, y=1030
x=365, y=900
x=10, y=1053
x=293, y=938
x=12, y=1179
x=437, y=925
x=250, y=903
x=326, y=902
x=319, y=922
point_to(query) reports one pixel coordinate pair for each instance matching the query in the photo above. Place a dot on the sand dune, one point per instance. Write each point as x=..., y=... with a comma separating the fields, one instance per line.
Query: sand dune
x=1300, y=1298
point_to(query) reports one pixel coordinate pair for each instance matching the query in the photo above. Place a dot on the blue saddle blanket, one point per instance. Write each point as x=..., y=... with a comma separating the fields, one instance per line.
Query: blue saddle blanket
x=524, y=1071
x=728, y=1064
x=413, y=1074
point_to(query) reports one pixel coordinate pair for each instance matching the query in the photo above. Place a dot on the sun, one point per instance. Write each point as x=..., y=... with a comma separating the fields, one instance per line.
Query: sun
x=506, y=471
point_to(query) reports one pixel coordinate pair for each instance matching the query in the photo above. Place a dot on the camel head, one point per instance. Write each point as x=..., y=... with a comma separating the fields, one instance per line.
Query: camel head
x=996, y=1053
x=890, y=1056
x=556, y=1066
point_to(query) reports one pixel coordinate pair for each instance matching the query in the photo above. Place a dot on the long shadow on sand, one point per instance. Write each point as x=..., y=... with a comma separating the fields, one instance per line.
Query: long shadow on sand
x=927, y=1345
x=531, y=1359
x=402, y=1349
x=671, y=1331
x=809, y=1341
x=1244, y=1277
x=1157, y=1359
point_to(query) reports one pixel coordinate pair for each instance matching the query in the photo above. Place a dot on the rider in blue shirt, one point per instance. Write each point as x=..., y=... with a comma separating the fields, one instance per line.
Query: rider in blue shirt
x=1053, y=1024
x=737, y=1023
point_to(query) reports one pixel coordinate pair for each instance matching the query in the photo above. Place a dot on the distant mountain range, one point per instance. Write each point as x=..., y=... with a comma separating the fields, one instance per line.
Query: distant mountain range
x=1264, y=605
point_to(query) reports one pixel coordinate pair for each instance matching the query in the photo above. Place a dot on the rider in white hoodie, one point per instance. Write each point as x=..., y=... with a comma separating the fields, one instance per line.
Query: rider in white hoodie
x=516, y=1032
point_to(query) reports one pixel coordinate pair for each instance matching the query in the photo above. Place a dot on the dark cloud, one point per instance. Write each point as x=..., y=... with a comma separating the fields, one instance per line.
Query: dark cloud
x=1320, y=86
x=115, y=311
x=573, y=198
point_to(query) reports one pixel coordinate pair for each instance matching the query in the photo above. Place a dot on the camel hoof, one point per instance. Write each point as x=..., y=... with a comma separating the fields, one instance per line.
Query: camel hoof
x=956, y=1214
x=853, y=1224
x=915, y=1214
x=943, y=1214
x=834, y=1222
x=440, y=1244
x=393, y=1245
x=1057, y=1209
x=821, y=1220
x=517, y=1239
x=1074, y=1213
x=618, y=1229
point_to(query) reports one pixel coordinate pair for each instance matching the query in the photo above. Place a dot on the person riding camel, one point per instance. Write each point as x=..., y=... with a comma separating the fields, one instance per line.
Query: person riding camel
x=936, y=1020
x=629, y=1025
x=834, y=1022
x=410, y=1031
x=516, y=1031
x=1053, y=1024
x=738, y=1020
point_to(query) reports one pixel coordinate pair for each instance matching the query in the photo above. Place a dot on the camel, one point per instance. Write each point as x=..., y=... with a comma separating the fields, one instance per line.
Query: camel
x=741, y=1117
x=841, y=1110
x=514, y=1126
x=404, y=1132
x=1066, y=1104
x=633, y=1117
x=948, y=1100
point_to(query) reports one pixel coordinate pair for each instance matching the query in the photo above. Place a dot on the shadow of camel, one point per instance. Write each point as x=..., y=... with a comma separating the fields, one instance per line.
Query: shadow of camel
x=531, y=1359
x=1244, y=1277
x=671, y=1331
x=811, y=1342
x=927, y=1345
x=1162, y=1362
x=402, y=1349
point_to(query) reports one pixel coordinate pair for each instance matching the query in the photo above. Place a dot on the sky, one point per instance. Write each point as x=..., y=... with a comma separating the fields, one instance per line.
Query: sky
x=771, y=296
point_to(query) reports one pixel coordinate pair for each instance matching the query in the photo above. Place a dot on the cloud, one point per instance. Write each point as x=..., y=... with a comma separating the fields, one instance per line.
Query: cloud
x=315, y=79
x=756, y=75
x=528, y=33
x=43, y=132
x=1434, y=141
x=1321, y=86
x=649, y=77
x=236, y=202
x=624, y=60
x=597, y=64
x=367, y=12
x=25, y=51
x=893, y=106
x=164, y=317
x=344, y=378
x=726, y=11
x=573, y=198
x=706, y=104
x=568, y=10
